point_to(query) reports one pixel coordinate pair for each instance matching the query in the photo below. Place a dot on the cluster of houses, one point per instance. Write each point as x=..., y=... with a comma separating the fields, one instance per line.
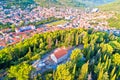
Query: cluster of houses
x=16, y=16
x=10, y=38
x=75, y=19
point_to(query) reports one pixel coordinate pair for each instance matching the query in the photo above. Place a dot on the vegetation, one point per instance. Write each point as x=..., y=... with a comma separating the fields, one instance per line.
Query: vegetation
x=111, y=6
x=18, y=3
x=57, y=3
x=57, y=23
x=72, y=3
x=114, y=21
x=98, y=60
x=20, y=72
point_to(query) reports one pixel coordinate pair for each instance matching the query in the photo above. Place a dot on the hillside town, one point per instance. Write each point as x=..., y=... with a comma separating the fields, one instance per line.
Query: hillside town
x=59, y=40
x=75, y=18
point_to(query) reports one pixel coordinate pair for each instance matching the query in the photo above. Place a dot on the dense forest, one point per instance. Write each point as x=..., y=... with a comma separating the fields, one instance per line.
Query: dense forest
x=101, y=52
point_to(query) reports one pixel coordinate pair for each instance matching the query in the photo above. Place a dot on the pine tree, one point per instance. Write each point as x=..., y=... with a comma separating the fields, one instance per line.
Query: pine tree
x=77, y=39
x=49, y=41
x=29, y=54
x=100, y=75
x=112, y=72
x=65, y=71
x=114, y=77
x=105, y=76
x=76, y=55
x=84, y=72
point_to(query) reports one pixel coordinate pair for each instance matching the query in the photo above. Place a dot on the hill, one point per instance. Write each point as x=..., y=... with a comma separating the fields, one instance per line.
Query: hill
x=98, y=60
x=73, y=3
x=47, y=3
x=115, y=9
x=65, y=3
x=18, y=3
x=93, y=3
x=111, y=6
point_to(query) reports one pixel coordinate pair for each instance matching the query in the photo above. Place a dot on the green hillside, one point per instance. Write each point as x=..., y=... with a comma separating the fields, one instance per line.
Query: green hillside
x=18, y=3
x=73, y=3
x=115, y=6
x=65, y=3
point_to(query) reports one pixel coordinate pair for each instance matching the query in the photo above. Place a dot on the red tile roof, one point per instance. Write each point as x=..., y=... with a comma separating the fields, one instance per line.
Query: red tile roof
x=60, y=52
x=2, y=44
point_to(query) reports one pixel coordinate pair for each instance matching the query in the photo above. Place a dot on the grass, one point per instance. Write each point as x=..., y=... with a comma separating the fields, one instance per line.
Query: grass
x=57, y=23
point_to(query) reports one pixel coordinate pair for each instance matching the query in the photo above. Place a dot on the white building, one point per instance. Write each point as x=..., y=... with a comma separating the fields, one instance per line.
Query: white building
x=59, y=55
x=95, y=10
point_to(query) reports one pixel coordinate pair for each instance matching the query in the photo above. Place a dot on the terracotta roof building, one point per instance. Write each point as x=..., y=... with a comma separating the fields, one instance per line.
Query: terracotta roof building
x=59, y=55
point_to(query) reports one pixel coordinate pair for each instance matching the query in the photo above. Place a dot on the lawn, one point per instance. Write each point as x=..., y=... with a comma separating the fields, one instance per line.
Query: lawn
x=57, y=23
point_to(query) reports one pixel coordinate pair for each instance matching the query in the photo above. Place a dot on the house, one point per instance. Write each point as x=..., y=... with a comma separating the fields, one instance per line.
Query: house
x=59, y=55
x=22, y=29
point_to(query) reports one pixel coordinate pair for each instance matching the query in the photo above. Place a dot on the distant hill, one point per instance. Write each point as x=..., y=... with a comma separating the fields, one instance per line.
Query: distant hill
x=73, y=3
x=65, y=3
x=48, y=3
x=114, y=21
x=115, y=6
x=93, y=3
x=20, y=3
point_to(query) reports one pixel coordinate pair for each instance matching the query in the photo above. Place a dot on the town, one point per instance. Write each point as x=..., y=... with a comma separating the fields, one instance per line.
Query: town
x=59, y=40
x=69, y=18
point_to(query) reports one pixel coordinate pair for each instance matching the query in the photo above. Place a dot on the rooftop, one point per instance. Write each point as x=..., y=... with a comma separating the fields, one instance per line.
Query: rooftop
x=60, y=52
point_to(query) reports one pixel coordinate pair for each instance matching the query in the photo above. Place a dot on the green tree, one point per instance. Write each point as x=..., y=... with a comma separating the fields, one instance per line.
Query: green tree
x=65, y=71
x=49, y=41
x=21, y=23
x=106, y=48
x=13, y=27
x=76, y=55
x=29, y=54
x=20, y=72
x=49, y=77
x=105, y=76
x=112, y=73
x=84, y=72
x=100, y=75
x=116, y=59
